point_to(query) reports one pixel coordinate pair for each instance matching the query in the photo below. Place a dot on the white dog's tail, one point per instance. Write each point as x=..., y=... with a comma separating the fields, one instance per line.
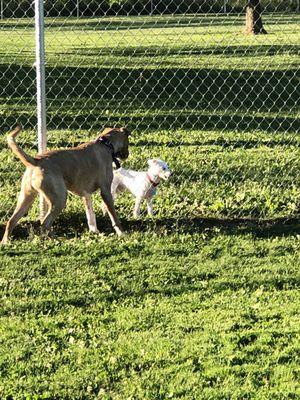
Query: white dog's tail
x=26, y=159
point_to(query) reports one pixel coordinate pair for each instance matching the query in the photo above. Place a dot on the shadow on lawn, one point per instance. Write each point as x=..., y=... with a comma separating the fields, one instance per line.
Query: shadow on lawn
x=72, y=225
x=258, y=227
x=161, y=98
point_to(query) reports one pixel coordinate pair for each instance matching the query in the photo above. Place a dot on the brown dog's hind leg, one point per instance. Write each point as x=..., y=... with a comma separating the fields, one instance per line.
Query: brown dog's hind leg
x=25, y=201
x=109, y=203
x=56, y=198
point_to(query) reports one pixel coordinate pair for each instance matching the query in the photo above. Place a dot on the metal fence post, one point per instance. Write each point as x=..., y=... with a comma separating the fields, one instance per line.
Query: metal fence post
x=40, y=84
x=2, y=9
x=151, y=7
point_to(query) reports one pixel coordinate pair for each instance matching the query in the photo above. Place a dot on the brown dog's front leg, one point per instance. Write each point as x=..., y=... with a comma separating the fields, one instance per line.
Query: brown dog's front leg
x=109, y=202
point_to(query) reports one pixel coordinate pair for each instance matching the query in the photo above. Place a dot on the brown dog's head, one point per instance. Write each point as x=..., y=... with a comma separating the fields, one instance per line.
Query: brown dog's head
x=119, y=137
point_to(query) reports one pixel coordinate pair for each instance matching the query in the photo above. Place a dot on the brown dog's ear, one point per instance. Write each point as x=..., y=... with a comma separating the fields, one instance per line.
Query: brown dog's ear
x=105, y=131
x=126, y=131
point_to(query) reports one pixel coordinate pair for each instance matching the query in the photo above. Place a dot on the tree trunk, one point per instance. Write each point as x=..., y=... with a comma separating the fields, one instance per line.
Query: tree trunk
x=254, y=25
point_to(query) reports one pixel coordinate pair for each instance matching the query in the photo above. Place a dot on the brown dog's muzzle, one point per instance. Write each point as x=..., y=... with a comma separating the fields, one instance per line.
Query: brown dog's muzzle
x=124, y=153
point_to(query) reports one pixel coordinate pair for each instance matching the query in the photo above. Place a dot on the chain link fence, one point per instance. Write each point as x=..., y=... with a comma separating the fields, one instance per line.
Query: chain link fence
x=220, y=107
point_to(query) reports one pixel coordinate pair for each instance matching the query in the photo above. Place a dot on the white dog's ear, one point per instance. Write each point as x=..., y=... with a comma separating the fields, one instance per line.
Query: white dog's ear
x=151, y=162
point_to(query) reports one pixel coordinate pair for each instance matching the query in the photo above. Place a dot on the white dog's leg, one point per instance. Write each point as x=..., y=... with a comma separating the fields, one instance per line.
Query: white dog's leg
x=103, y=208
x=90, y=215
x=149, y=206
x=137, y=207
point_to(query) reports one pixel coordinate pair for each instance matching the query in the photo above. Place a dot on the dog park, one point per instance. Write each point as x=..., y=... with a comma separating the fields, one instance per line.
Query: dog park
x=201, y=299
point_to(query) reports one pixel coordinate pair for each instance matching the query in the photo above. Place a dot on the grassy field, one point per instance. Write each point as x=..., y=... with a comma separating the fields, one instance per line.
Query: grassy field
x=202, y=300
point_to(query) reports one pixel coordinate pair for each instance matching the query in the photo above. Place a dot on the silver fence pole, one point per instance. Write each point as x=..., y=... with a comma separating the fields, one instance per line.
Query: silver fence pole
x=77, y=8
x=40, y=84
x=151, y=7
x=2, y=9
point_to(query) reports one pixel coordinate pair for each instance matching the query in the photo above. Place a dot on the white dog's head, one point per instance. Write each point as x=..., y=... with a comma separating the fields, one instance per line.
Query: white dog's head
x=159, y=168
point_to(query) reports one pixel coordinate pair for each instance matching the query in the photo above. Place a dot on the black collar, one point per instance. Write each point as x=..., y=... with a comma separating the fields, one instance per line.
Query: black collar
x=110, y=146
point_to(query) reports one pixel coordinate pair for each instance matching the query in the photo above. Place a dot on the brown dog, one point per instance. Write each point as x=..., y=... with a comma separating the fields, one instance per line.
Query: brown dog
x=81, y=170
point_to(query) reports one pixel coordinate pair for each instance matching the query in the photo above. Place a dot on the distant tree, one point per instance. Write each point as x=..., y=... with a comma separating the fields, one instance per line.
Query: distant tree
x=254, y=25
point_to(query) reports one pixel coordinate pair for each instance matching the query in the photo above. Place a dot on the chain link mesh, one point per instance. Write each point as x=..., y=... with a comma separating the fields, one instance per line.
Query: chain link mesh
x=220, y=107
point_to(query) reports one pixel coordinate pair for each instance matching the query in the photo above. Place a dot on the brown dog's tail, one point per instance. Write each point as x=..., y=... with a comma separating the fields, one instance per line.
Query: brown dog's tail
x=27, y=160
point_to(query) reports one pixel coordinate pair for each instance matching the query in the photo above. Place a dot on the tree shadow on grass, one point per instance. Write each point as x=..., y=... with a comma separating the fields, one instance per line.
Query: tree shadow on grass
x=224, y=143
x=72, y=225
x=177, y=97
x=230, y=226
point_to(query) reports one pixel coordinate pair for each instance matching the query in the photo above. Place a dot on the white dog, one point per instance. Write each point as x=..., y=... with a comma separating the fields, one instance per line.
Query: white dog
x=142, y=184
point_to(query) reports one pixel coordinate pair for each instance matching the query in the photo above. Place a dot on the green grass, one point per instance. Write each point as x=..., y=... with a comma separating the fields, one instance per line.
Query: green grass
x=210, y=314
x=202, y=300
